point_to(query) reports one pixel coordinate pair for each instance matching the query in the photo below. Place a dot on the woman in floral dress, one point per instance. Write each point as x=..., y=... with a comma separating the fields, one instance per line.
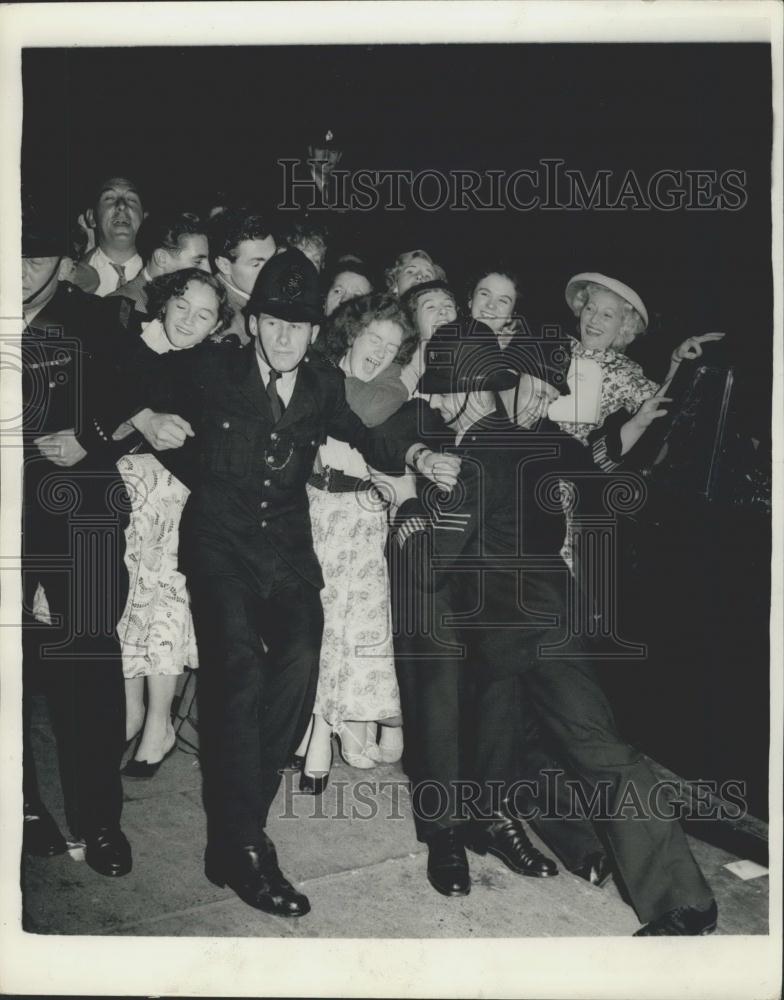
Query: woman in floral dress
x=156, y=630
x=357, y=685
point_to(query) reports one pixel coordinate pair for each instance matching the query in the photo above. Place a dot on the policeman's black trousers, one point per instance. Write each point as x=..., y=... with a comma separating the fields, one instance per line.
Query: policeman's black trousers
x=254, y=702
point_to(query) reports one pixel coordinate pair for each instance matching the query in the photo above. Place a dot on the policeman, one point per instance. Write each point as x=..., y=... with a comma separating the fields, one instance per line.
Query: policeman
x=489, y=555
x=253, y=419
x=74, y=515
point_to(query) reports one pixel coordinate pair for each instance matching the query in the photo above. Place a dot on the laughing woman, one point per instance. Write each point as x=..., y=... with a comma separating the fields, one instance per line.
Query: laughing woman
x=357, y=685
x=156, y=631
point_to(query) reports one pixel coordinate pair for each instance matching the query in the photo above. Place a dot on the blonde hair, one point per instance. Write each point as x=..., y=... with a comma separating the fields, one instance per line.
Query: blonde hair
x=632, y=323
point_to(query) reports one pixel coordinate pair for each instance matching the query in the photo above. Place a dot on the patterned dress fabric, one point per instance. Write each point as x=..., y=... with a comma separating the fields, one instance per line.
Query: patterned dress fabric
x=156, y=629
x=624, y=386
x=357, y=679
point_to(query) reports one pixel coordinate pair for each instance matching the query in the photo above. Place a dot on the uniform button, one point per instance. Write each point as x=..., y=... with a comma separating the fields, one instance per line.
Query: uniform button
x=312, y=442
x=264, y=504
x=264, y=524
x=51, y=385
x=225, y=425
x=268, y=482
x=273, y=436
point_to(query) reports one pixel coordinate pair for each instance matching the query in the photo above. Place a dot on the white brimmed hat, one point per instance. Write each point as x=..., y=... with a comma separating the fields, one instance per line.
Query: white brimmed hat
x=579, y=281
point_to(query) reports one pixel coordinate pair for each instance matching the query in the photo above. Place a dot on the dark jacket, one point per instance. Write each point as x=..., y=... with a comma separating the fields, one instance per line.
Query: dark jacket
x=490, y=551
x=247, y=474
x=71, y=375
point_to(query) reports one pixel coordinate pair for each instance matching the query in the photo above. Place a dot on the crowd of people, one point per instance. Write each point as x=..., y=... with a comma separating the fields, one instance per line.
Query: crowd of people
x=330, y=493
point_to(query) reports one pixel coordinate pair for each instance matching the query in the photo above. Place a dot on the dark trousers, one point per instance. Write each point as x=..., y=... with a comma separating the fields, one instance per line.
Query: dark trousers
x=459, y=749
x=651, y=853
x=73, y=544
x=254, y=702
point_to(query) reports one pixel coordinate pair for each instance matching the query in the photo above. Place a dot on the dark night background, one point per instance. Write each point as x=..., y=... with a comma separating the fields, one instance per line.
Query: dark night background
x=188, y=122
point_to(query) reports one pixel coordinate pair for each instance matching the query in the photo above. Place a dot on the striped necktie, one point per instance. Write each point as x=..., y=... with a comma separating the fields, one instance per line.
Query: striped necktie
x=120, y=269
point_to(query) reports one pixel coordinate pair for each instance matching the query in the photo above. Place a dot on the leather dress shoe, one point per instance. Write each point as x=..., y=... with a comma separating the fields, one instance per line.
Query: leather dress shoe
x=507, y=840
x=40, y=836
x=252, y=872
x=447, y=864
x=107, y=851
x=595, y=869
x=682, y=921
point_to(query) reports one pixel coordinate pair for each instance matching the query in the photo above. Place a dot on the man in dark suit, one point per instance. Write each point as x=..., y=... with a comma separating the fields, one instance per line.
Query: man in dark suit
x=489, y=560
x=74, y=516
x=254, y=418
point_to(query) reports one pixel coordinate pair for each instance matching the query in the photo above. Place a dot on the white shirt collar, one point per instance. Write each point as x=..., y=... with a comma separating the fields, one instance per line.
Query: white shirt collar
x=286, y=382
x=230, y=284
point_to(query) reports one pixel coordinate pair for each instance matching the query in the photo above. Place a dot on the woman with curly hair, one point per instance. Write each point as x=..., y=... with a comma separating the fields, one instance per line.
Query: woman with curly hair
x=368, y=338
x=155, y=630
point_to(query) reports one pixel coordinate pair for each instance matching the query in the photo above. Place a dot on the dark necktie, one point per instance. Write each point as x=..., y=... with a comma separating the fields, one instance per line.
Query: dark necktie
x=120, y=269
x=272, y=392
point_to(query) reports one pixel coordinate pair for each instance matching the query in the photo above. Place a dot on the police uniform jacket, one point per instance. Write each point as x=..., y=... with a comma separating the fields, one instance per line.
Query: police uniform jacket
x=488, y=553
x=247, y=473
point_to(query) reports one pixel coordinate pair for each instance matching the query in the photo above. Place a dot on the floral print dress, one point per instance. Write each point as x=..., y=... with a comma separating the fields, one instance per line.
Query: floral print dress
x=624, y=386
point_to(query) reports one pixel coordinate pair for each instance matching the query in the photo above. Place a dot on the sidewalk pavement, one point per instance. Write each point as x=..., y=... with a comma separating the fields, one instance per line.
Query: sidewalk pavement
x=353, y=852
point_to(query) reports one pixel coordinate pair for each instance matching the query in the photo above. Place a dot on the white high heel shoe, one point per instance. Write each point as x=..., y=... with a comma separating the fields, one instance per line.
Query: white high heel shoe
x=353, y=751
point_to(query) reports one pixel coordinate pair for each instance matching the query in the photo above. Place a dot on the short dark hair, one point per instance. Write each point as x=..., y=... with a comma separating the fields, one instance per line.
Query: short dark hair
x=304, y=231
x=352, y=318
x=233, y=226
x=102, y=183
x=498, y=267
x=172, y=286
x=163, y=232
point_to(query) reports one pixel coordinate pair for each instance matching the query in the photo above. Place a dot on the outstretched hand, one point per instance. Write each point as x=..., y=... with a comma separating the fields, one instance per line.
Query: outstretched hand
x=691, y=349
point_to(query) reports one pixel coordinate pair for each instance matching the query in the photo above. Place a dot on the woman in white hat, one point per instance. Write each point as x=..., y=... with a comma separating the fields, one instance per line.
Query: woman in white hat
x=611, y=316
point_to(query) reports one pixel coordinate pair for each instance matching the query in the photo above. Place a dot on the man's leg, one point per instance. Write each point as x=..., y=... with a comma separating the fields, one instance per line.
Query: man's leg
x=292, y=623
x=651, y=853
x=231, y=665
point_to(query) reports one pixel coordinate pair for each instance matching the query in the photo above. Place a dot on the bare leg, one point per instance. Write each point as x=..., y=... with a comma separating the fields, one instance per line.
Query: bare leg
x=158, y=736
x=390, y=744
x=319, y=752
x=302, y=749
x=134, y=706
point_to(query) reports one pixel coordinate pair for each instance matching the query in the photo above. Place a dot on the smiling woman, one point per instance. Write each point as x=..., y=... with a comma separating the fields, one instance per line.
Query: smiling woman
x=156, y=630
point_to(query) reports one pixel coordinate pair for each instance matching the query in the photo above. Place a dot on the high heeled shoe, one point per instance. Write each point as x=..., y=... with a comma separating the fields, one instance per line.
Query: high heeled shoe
x=354, y=752
x=311, y=784
x=145, y=769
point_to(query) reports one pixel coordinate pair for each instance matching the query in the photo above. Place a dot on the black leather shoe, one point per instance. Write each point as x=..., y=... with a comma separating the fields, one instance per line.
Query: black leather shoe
x=447, y=864
x=311, y=784
x=108, y=852
x=253, y=873
x=682, y=921
x=143, y=768
x=40, y=836
x=595, y=869
x=507, y=840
